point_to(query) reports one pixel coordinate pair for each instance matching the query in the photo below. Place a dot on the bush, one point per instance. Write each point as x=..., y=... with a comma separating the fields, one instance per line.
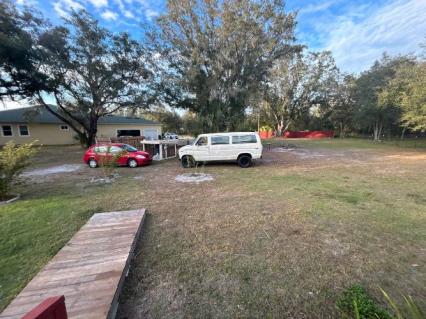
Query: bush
x=356, y=303
x=265, y=128
x=412, y=309
x=13, y=160
x=108, y=163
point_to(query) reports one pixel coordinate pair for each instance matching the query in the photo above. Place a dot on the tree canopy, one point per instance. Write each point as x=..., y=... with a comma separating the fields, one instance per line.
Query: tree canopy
x=85, y=69
x=229, y=64
x=218, y=52
x=295, y=84
x=407, y=90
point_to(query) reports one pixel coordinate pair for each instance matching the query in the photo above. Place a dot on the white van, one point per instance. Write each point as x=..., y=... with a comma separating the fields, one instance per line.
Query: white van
x=242, y=147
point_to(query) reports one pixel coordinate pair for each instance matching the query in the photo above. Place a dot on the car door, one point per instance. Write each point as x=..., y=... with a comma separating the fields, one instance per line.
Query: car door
x=202, y=149
x=100, y=153
x=120, y=154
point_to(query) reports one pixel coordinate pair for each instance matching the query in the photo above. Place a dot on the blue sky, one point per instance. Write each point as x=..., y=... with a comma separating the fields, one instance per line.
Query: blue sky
x=356, y=31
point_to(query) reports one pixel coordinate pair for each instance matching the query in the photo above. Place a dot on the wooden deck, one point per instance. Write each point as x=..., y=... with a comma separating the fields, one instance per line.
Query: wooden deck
x=89, y=270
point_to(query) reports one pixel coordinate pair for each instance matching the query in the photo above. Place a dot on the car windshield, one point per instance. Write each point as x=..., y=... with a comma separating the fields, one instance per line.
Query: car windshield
x=129, y=148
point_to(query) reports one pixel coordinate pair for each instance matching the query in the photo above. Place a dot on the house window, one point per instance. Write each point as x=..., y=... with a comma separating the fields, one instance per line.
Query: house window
x=7, y=130
x=23, y=130
x=128, y=133
x=64, y=127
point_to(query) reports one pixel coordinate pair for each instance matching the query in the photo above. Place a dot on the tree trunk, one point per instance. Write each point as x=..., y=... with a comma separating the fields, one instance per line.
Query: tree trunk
x=91, y=132
x=280, y=126
x=403, y=132
x=380, y=131
x=378, y=127
x=342, y=130
x=286, y=126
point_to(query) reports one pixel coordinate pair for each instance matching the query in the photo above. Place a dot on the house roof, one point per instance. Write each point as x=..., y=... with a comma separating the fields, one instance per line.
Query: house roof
x=42, y=116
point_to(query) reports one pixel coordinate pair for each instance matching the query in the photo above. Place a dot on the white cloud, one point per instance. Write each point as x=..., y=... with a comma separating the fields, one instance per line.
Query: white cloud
x=31, y=3
x=124, y=11
x=128, y=14
x=99, y=3
x=109, y=15
x=73, y=4
x=316, y=7
x=150, y=14
x=62, y=7
x=360, y=37
x=9, y=104
x=57, y=6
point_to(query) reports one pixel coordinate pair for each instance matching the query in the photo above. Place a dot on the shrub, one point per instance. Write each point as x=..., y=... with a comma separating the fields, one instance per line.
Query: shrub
x=355, y=302
x=108, y=163
x=411, y=306
x=265, y=128
x=13, y=160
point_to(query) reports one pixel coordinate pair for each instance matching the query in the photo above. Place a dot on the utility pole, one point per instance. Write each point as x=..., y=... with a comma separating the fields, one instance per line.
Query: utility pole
x=258, y=121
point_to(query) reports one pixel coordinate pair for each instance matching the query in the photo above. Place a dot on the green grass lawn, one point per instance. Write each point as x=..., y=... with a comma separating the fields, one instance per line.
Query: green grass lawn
x=32, y=231
x=281, y=239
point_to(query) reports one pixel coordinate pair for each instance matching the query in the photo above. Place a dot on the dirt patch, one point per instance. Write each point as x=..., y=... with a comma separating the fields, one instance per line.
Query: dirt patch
x=66, y=168
x=413, y=157
x=301, y=153
x=104, y=179
x=280, y=239
x=194, y=178
x=302, y=158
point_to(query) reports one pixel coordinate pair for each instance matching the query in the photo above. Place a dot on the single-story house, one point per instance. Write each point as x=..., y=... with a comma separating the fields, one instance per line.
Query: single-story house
x=23, y=125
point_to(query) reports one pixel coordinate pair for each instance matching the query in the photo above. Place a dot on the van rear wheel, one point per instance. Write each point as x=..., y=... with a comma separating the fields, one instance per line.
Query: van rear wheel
x=187, y=161
x=244, y=161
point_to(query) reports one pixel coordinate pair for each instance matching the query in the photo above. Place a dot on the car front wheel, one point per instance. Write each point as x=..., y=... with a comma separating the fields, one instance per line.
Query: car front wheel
x=92, y=163
x=132, y=163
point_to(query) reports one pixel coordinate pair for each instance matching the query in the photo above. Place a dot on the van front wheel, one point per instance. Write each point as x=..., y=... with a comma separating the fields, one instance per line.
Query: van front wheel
x=187, y=161
x=244, y=161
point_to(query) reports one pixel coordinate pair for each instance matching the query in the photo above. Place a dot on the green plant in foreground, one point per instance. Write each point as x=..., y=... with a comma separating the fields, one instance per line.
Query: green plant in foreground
x=13, y=160
x=108, y=163
x=355, y=302
x=410, y=305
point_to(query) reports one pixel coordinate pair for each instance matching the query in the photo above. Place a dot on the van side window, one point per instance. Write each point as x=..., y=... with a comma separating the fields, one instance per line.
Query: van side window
x=220, y=140
x=202, y=141
x=243, y=139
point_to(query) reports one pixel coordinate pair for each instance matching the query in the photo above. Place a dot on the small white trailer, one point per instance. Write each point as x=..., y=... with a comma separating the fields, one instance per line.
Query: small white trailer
x=161, y=149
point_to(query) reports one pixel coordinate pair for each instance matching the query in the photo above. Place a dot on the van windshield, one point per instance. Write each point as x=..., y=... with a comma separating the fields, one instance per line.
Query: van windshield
x=201, y=141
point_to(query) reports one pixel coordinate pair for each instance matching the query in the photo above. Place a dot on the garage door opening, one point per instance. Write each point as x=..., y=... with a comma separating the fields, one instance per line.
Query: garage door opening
x=150, y=134
x=121, y=133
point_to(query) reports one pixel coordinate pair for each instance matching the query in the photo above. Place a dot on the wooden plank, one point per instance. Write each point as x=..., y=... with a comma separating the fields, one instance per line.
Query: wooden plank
x=89, y=270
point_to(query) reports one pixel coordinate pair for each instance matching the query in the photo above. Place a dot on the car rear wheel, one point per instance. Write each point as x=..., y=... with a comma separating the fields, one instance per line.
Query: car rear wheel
x=244, y=161
x=187, y=161
x=132, y=163
x=92, y=163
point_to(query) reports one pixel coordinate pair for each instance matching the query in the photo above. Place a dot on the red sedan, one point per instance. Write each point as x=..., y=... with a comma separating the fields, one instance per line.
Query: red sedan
x=130, y=156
